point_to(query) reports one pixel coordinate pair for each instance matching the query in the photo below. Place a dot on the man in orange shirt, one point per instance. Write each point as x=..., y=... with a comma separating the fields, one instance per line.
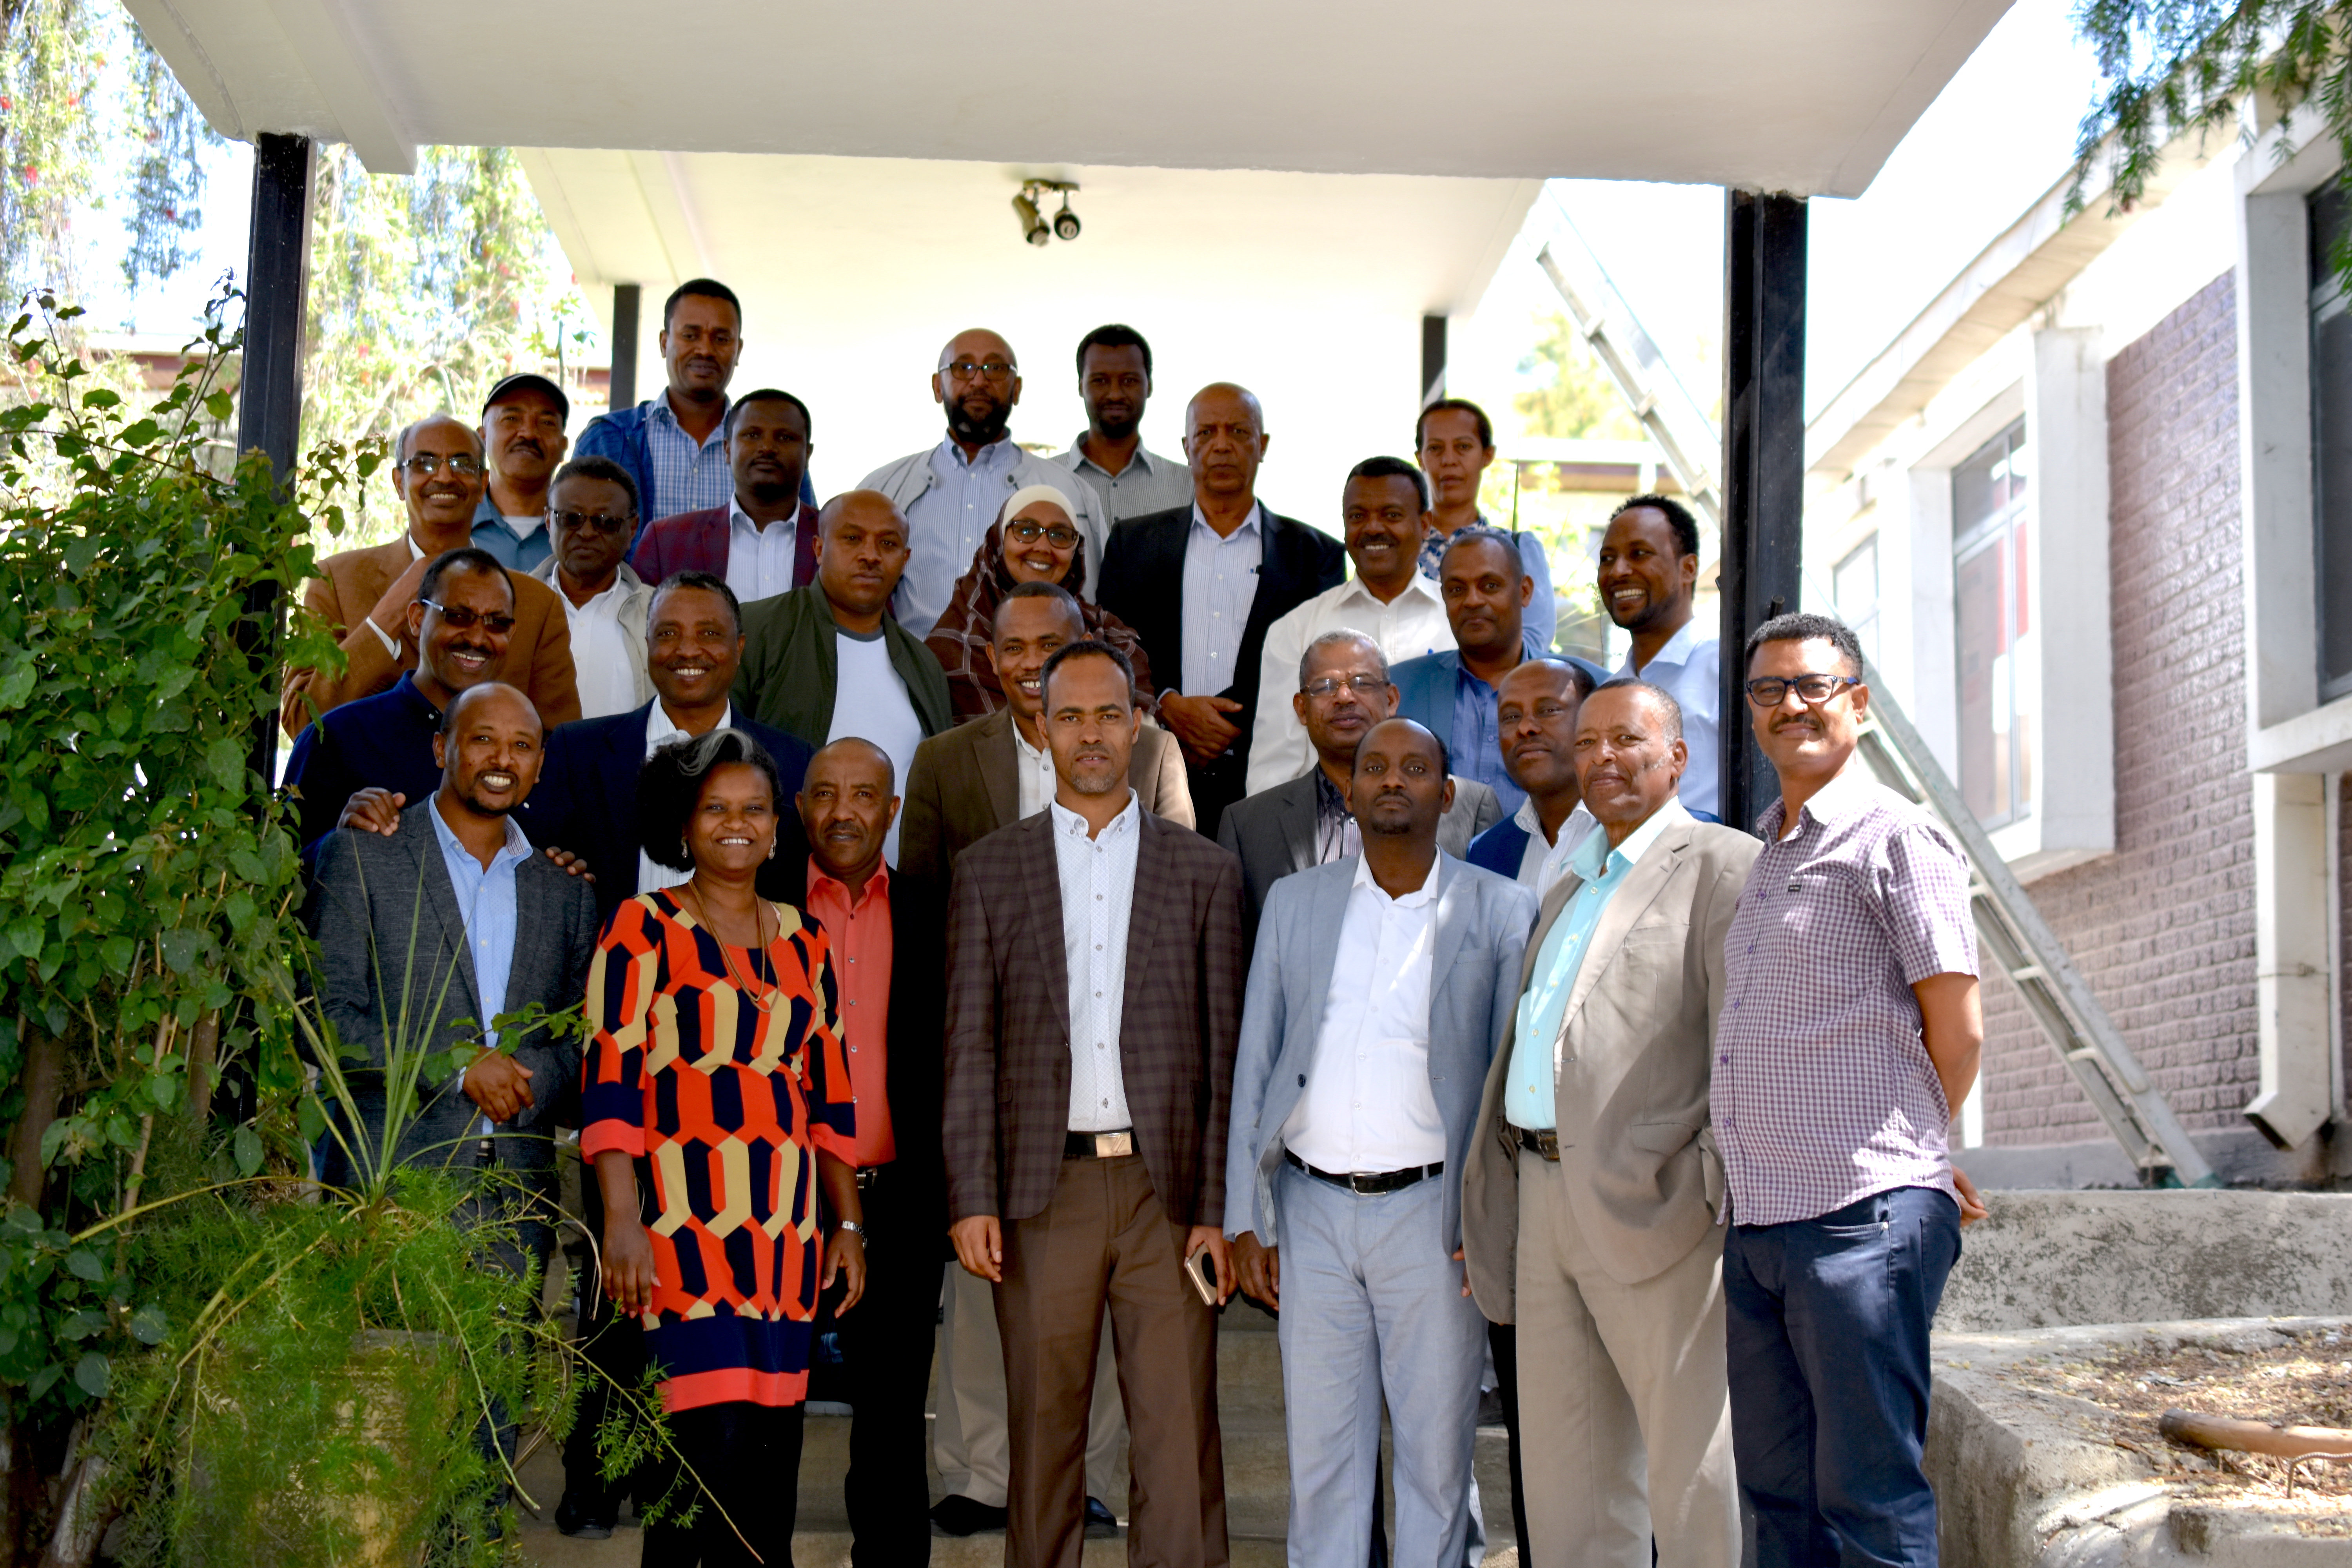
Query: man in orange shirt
x=884, y=938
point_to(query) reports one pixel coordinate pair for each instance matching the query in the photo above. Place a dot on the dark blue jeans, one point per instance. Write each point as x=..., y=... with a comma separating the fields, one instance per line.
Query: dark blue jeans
x=1827, y=1328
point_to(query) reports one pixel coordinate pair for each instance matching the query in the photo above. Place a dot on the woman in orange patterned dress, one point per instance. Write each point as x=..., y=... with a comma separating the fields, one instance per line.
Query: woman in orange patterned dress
x=717, y=1064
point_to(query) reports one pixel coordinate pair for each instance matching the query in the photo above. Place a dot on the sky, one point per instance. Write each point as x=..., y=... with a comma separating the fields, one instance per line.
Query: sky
x=2001, y=133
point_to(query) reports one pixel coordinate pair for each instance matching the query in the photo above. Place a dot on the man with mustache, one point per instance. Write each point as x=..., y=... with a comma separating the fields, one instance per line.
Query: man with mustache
x=882, y=936
x=1850, y=1036
x=1592, y=1188
x=950, y=494
x=1454, y=443
x=1115, y=384
x=764, y=540
x=1647, y=570
x=1486, y=587
x=1342, y=691
x=1379, y=987
x=523, y=437
x=592, y=511
x=1202, y=585
x=1534, y=712
x=1382, y=507
x=830, y=660
x=365, y=594
x=673, y=445
x=965, y=785
x=365, y=758
x=1094, y=976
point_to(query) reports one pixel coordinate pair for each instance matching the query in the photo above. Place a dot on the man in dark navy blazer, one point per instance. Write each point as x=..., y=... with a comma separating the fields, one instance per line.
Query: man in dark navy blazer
x=1202, y=583
x=587, y=799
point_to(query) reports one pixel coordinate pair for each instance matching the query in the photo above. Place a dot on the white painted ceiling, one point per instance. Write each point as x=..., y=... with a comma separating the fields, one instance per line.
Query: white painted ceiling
x=1806, y=96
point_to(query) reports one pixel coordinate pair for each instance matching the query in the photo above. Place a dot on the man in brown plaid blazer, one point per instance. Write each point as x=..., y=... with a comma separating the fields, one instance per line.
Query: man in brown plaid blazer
x=1094, y=999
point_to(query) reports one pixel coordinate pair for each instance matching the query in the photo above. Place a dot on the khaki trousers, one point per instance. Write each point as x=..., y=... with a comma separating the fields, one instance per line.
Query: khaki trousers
x=967, y=1441
x=1625, y=1403
x=1105, y=1240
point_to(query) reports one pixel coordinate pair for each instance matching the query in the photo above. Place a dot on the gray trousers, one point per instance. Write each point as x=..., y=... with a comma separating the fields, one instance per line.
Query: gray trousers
x=1373, y=1310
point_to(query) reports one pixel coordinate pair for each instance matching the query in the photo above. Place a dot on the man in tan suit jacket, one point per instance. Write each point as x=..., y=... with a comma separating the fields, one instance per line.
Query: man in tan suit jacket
x=966, y=782
x=1591, y=1192
x=365, y=594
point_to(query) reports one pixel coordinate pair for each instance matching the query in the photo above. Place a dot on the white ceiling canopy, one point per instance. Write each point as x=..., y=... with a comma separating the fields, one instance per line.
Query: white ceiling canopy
x=1803, y=96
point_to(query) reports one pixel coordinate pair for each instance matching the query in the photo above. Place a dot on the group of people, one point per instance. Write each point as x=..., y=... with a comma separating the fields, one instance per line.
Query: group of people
x=1024, y=903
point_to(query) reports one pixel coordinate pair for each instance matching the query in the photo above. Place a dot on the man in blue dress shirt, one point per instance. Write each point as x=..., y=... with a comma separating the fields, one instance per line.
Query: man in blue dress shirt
x=1487, y=587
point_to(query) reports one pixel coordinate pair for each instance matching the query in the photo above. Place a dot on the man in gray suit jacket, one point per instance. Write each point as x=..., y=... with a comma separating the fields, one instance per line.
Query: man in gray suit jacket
x=1379, y=987
x=1343, y=691
x=1591, y=1189
x=429, y=935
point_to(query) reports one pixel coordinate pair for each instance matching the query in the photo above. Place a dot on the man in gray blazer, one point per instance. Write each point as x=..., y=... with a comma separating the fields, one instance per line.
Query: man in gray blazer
x=1380, y=985
x=1343, y=691
x=1590, y=1194
x=426, y=937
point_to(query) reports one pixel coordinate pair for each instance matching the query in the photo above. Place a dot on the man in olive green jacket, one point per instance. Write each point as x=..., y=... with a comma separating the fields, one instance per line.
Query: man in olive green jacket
x=827, y=661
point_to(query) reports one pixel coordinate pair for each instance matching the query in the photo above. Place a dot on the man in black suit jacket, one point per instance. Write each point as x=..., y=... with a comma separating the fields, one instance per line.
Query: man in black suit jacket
x=1155, y=562
x=587, y=799
x=886, y=941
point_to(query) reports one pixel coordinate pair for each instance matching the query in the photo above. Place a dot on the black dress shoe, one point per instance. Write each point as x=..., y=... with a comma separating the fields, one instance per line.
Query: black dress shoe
x=1101, y=1523
x=583, y=1522
x=961, y=1515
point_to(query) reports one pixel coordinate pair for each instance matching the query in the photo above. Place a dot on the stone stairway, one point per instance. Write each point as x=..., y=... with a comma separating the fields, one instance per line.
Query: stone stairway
x=1249, y=1406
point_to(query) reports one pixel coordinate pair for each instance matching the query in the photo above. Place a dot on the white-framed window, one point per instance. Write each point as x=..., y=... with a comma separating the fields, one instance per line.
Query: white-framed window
x=1853, y=589
x=2331, y=439
x=1993, y=627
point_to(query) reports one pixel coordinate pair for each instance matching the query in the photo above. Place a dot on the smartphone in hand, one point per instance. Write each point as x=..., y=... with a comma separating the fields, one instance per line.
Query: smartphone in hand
x=1199, y=1269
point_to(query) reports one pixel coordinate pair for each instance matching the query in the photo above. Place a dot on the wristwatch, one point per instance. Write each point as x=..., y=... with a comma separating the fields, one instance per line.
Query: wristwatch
x=853, y=1227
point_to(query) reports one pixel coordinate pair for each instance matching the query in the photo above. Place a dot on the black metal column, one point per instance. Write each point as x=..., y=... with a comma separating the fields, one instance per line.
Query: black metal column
x=270, y=386
x=621, y=387
x=1763, y=458
x=1433, y=358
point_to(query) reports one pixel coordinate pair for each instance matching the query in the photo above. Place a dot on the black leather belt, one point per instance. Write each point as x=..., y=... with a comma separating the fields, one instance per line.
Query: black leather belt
x=1374, y=1182
x=1545, y=1142
x=1099, y=1145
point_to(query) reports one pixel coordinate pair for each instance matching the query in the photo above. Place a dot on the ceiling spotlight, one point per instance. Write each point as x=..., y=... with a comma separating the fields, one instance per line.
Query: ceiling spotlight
x=1032, y=227
x=1035, y=228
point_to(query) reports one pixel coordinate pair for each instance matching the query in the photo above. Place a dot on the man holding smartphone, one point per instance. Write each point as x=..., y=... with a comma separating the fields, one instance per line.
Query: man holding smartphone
x=1380, y=985
x=1094, y=973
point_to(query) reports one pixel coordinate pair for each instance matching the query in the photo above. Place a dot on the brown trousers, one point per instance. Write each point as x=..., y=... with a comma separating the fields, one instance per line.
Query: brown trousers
x=1105, y=1238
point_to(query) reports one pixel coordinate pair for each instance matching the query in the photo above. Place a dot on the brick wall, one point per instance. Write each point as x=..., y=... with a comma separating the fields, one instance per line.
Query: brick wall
x=2164, y=929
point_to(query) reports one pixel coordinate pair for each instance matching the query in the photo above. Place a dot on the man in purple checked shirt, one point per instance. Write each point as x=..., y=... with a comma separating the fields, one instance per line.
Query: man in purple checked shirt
x=1849, y=1036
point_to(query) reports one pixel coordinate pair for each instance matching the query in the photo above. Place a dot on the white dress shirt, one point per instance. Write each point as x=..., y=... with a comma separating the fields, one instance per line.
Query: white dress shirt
x=1690, y=669
x=1035, y=770
x=659, y=733
x=1542, y=864
x=1367, y=1107
x=606, y=678
x=870, y=701
x=760, y=560
x=1407, y=626
x=1098, y=879
x=1220, y=585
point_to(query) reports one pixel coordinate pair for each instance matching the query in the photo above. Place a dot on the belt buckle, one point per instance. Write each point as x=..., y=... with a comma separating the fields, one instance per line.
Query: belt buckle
x=1364, y=1185
x=1113, y=1145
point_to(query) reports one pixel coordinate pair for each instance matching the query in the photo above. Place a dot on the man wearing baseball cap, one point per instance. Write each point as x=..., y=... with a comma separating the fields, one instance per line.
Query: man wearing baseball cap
x=523, y=437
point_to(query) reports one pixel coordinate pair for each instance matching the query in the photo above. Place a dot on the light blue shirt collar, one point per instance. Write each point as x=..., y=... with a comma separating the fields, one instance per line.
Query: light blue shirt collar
x=1595, y=854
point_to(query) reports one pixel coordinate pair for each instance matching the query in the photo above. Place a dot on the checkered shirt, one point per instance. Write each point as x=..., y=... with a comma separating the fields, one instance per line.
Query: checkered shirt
x=1824, y=1093
x=686, y=476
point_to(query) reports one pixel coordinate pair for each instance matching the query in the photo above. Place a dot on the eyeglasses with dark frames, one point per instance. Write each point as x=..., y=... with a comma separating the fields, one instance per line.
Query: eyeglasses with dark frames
x=995, y=370
x=1768, y=691
x=604, y=522
x=1058, y=535
x=464, y=618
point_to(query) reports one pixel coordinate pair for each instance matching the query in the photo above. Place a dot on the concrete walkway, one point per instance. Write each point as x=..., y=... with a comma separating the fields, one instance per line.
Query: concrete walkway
x=1249, y=1402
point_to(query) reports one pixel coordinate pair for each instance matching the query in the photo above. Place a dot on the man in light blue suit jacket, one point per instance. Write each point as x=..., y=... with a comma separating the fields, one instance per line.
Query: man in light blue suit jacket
x=1379, y=986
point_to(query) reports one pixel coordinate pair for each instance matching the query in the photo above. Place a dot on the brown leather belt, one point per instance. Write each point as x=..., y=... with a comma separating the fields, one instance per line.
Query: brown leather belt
x=1372, y=1182
x=1545, y=1142
x=1099, y=1145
